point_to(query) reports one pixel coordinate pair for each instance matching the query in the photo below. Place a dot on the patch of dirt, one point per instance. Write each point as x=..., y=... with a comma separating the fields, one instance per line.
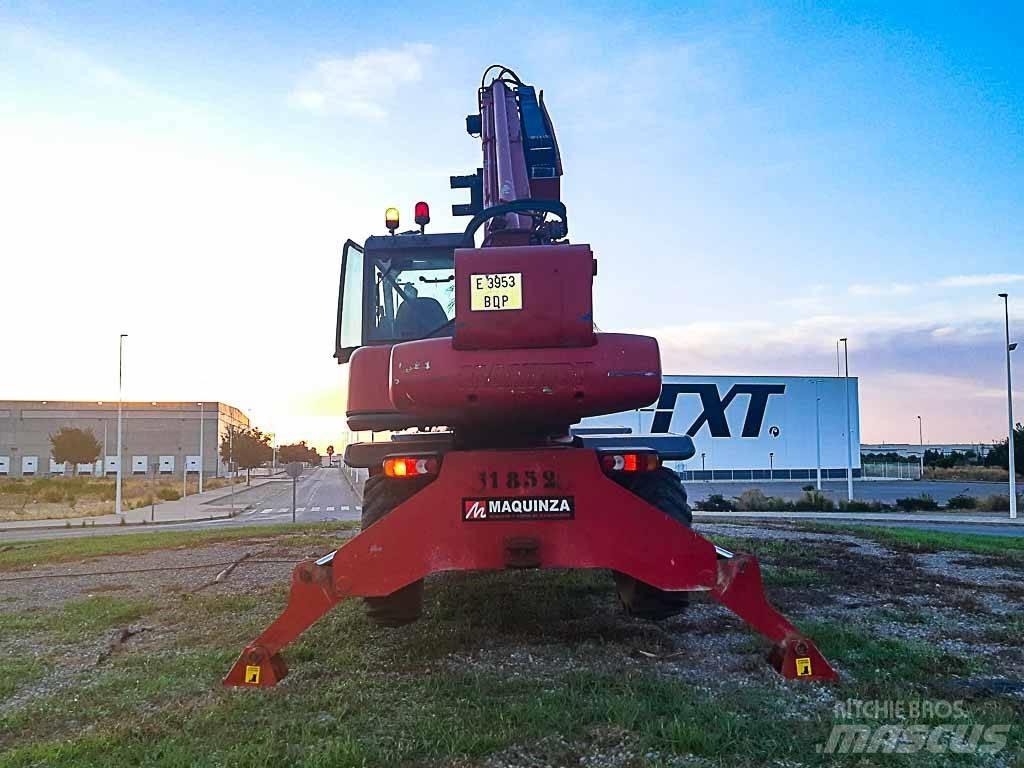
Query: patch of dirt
x=957, y=602
x=151, y=574
x=603, y=748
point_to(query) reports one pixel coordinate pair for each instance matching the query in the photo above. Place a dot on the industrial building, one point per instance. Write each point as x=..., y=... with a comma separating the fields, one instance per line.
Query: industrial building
x=755, y=427
x=156, y=437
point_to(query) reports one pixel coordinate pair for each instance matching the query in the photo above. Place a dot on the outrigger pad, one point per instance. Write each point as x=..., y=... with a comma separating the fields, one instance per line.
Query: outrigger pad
x=256, y=668
x=799, y=659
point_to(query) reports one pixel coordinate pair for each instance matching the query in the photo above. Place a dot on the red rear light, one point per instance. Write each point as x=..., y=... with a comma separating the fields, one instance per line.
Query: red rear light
x=630, y=461
x=422, y=214
x=410, y=466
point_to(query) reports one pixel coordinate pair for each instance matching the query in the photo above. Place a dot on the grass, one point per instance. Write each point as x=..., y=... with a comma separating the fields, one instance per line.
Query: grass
x=916, y=540
x=63, y=550
x=360, y=696
x=45, y=498
x=76, y=619
x=18, y=670
x=558, y=682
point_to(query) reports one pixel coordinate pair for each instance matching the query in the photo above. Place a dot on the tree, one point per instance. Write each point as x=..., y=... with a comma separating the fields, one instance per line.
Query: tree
x=298, y=452
x=1000, y=457
x=247, y=448
x=74, y=445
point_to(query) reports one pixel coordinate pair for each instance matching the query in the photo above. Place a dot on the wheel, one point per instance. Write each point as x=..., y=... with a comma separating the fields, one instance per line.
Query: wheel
x=662, y=489
x=381, y=494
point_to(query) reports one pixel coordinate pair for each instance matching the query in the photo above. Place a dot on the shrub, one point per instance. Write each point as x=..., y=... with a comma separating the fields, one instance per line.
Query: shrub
x=808, y=487
x=169, y=494
x=963, y=501
x=716, y=502
x=814, y=501
x=999, y=502
x=777, y=504
x=752, y=500
x=917, y=503
x=863, y=506
x=53, y=495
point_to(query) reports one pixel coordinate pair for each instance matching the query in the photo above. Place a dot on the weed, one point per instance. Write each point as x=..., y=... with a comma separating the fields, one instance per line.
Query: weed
x=917, y=503
x=65, y=550
x=716, y=502
x=962, y=501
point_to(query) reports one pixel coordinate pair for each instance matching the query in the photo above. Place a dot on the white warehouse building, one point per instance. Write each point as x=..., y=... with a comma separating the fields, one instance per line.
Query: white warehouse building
x=755, y=427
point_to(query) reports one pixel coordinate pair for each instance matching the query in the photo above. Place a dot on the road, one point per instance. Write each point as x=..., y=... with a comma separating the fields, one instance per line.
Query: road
x=325, y=494
x=322, y=494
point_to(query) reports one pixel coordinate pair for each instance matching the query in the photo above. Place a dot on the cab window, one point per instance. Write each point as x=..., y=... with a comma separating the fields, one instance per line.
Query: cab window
x=414, y=296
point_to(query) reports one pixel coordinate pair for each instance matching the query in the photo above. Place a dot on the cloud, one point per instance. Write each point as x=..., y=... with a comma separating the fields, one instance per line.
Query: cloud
x=71, y=62
x=888, y=289
x=363, y=85
x=973, y=281
x=950, y=370
x=875, y=290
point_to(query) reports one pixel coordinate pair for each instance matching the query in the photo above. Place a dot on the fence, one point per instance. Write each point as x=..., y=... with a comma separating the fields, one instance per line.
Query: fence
x=892, y=470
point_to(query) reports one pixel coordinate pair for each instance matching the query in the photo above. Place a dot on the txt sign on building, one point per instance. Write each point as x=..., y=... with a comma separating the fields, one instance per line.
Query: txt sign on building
x=746, y=426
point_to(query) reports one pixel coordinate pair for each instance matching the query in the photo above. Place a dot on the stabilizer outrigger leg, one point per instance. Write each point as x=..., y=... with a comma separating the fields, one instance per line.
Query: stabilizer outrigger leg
x=312, y=595
x=740, y=589
x=609, y=528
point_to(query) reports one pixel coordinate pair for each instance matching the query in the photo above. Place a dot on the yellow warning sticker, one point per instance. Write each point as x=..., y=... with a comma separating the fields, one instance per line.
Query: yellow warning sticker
x=803, y=667
x=503, y=290
x=252, y=675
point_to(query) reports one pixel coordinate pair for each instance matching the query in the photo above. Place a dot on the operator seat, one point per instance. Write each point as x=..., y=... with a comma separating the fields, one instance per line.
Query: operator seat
x=418, y=316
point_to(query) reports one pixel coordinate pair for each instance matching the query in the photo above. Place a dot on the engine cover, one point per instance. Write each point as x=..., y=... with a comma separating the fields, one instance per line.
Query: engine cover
x=434, y=383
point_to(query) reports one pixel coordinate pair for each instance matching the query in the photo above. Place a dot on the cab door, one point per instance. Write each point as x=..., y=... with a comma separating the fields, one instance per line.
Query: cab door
x=348, y=335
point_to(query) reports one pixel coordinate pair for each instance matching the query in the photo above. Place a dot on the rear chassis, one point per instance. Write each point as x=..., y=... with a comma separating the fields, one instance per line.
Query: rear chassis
x=440, y=530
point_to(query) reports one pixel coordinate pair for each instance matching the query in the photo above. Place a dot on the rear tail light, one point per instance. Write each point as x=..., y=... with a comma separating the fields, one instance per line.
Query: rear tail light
x=630, y=461
x=411, y=466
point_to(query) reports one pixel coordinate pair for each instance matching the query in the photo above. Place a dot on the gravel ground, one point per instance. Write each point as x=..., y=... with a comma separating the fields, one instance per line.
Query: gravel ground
x=953, y=600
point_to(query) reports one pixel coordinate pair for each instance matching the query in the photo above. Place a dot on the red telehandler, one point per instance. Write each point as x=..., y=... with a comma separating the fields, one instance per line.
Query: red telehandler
x=479, y=359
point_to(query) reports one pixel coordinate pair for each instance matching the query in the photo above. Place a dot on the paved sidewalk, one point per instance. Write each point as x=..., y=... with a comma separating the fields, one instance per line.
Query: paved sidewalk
x=199, y=506
x=977, y=518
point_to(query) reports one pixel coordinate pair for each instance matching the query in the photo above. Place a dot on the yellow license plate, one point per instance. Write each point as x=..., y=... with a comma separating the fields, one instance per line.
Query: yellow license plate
x=502, y=290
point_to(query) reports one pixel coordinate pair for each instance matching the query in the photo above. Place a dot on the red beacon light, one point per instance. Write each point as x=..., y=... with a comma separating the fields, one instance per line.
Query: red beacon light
x=422, y=215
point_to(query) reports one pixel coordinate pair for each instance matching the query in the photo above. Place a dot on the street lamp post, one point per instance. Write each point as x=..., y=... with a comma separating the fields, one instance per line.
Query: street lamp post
x=771, y=465
x=120, y=377
x=920, y=437
x=817, y=427
x=849, y=437
x=1009, y=409
x=202, y=413
x=231, y=461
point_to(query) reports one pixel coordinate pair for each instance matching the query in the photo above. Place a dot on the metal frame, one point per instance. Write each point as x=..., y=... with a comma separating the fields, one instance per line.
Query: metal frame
x=611, y=528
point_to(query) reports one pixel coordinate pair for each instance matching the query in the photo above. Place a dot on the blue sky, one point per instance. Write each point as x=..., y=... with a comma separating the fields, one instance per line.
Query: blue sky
x=756, y=180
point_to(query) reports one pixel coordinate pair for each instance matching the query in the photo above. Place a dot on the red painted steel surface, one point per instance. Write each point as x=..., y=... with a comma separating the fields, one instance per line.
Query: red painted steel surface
x=442, y=385
x=368, y=371
x=610, y=528
x=557, y=305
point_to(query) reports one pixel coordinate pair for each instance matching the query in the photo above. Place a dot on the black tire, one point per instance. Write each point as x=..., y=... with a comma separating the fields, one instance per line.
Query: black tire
x=381, y=494
x=662, y=489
